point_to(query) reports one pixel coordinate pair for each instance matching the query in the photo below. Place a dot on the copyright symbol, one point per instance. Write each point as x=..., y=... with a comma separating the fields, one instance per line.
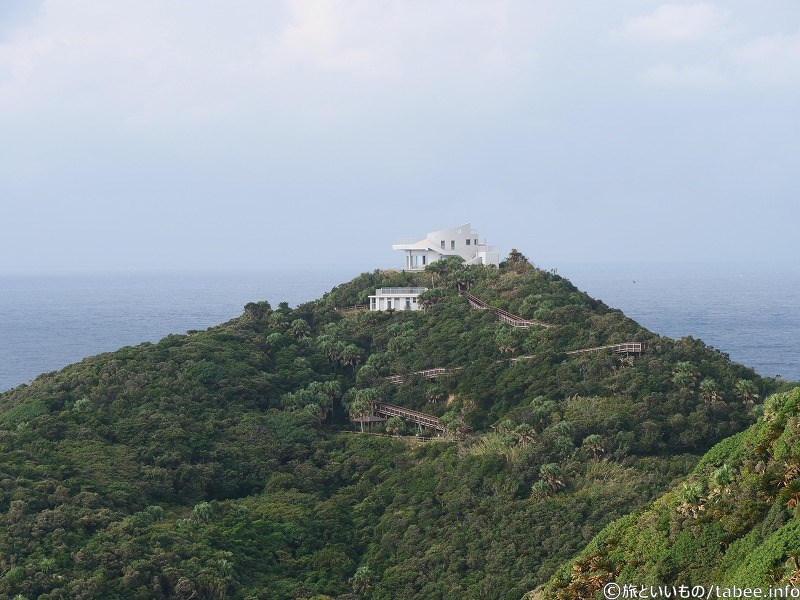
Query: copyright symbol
x=612, y=591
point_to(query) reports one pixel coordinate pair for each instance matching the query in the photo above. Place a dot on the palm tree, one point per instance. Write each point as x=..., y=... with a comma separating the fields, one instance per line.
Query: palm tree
x=540, y=490
x=435, y=395
x=505, y=426
x=709, y=390
x=361, y=580
x=370, y=395
x=350, y=356
x=691, y=496
x=331, y=348
x=552, y=475
x=525, y=434
x=438, y=269
x=465, y=277
x=358, y=410
x=721, y=478
x=747, y=391
x=685, y=375
x=594, y=443
x=394, y=425
x=362, y=405
x=506, y=343
x=299, y=329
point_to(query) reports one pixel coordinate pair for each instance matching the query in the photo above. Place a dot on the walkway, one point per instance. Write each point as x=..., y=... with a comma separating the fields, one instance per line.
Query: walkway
x=383, y=410
x=503, y=315
x=426, y=373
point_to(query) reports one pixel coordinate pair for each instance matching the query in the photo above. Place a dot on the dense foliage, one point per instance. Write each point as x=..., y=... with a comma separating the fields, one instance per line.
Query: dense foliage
x=221, y=464
x=734, y=521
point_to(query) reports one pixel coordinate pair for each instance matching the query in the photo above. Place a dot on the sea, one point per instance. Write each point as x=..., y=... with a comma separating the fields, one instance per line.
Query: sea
x=49, y=320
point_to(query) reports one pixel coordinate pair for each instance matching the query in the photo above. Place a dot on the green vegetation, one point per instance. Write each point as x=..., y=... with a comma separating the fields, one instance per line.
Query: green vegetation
x=221, y=464
x=734, y=521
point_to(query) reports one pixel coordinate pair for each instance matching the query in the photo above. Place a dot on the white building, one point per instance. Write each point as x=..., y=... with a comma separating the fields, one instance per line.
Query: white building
x=461, y=241
x=396, y=298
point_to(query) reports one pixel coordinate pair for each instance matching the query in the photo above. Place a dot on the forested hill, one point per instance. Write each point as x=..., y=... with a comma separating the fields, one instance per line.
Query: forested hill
x=734, y=521
x=221, y=463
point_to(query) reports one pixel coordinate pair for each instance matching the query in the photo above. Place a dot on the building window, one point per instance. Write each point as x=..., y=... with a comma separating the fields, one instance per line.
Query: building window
x=452, y=244
x=408, y=304
x=468, y=241
x=476, y=241
x=442, y=243
x=388, y=304
x=424, y=259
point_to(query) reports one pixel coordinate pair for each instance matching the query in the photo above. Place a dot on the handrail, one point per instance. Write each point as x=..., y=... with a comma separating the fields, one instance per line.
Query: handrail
x=504, y=315
x=383, y=409
x=399, y=291
x=420, y=418
x=427, y=373
x=621, y=348
x=353, y=308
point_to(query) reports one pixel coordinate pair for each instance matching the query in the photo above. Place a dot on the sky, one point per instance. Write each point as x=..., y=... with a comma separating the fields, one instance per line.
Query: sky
x=271, y=134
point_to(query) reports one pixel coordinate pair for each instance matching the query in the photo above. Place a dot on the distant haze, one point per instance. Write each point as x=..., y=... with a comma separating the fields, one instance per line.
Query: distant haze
x=175, y=134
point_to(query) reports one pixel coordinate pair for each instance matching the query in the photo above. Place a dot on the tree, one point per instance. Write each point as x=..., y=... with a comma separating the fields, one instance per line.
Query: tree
x=552, y=475
x=506, y=342
x=358, y=410
x=504, y=427
x=350, y=356
x=361, y=405
x=464, y=277
x=594, y=443
x=299, y=329
x=435, y=394
x=746, y=391
x=685, y=376
x=394, y=425
x=525, y=434
x=431, y=297
x=515, y=257
x=540, y=490
x=709, y=390
x=361, y=580
x=256, y=311
x=331, y=348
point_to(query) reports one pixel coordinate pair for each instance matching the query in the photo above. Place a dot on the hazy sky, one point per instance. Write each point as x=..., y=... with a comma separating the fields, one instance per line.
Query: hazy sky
x=247, y=133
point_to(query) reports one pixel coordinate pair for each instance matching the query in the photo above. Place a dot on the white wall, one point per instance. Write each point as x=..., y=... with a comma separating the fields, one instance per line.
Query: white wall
x=398, y=302
x=455, y=244
x=459, y=235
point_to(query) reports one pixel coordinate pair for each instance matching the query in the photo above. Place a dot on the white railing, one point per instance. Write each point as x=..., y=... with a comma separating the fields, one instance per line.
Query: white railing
x=400, y=291
x=623, y=348
x=427, y=373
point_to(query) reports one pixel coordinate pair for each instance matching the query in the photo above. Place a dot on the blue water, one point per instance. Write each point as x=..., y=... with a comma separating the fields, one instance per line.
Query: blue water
x=750, y=312
x=49, y=321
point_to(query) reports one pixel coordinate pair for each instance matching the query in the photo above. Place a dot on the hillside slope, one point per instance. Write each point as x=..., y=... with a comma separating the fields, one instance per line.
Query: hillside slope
x=221, y=464
x=734, y=521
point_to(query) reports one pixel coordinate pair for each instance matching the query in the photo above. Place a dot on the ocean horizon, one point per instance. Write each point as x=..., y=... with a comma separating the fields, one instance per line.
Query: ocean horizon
x=50, y=320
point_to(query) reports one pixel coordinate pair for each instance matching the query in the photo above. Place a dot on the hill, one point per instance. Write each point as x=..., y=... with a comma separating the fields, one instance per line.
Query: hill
x=733, y=521
x=221, y=463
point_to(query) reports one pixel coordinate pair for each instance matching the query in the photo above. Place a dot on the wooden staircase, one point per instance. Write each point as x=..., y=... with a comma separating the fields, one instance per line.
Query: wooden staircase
x=384, y=410
x=426, y=373
x=503, y=315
